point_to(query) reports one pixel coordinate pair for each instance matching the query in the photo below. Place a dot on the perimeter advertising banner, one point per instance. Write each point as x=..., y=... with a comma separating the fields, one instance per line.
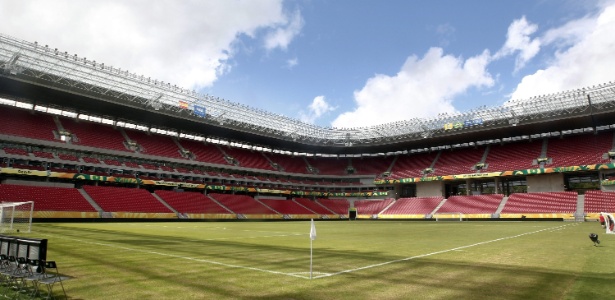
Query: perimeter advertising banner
x=526, y=172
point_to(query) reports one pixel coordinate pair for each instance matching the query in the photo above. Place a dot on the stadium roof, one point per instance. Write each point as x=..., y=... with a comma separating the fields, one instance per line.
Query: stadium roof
x=51, y=77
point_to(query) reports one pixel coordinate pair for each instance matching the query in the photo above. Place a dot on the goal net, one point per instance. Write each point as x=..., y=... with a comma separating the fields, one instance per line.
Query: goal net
x=609, y=221
x=16, y=216
x=449, y=216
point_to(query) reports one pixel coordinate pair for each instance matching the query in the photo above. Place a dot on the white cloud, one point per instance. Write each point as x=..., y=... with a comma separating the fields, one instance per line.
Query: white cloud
x=518, y=40
x=316, y=109
x=291, y=63
x=281, y=36
x=187, y=43
x=583, y=56
x=422, y=88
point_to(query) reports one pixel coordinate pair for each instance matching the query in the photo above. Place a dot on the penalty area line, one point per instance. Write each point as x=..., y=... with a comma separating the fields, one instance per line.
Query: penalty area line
x=460, y=248
x=212, y=262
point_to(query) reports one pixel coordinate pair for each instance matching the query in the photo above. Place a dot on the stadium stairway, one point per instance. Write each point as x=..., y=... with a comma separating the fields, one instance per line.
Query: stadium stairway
x=387, y=207
x=90, y=200
x=579, y=215
x=257, y=200
x=437, y=207
x=216, y=201
x=165, y=204
x=499, y=210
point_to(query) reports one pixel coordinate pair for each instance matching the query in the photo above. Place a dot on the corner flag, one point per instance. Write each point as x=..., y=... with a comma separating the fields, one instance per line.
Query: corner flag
x=313, y=231
x=312, y=238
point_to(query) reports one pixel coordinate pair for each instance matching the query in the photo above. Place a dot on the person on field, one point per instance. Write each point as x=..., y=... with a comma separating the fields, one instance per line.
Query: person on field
x=602, y=221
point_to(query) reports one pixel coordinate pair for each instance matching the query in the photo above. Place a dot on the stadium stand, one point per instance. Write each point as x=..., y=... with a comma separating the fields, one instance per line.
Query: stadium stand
x=94, y=135
x=46, y=198
x=248, y=159
x=546, y=202
x=329, y=166
x=458, y=161
x=241, y=204
x=24, y=123
x=286, y=207
x=289, y=164
x=371, y=207
x=599, y=201
x=413, y=206
x=577, y=150
x=154, y=144
x=513, y=156
x=338, y=206
x=191, y=202
x=475, y=204
x=409, y=166
x=313, y=206
x=119, y=199
x=204, y=152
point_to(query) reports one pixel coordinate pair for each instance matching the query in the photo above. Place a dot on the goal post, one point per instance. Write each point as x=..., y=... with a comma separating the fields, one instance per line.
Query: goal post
x=609, y=222
x=453, y=216
x=16, y=216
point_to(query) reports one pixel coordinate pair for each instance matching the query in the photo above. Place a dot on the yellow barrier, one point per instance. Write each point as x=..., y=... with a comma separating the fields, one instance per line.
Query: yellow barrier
x=64, y=214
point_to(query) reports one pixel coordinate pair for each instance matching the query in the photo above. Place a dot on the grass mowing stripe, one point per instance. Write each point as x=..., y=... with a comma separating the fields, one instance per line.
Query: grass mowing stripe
x=442, y=251
x=183, y=257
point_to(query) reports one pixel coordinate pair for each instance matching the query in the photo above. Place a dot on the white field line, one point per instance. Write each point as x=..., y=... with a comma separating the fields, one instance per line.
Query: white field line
x=438, y=252
x=183, y=257
x=315, y=274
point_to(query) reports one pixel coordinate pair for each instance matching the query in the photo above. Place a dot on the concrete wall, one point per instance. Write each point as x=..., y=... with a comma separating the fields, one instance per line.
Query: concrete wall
x=546, y=183
x=430, y=189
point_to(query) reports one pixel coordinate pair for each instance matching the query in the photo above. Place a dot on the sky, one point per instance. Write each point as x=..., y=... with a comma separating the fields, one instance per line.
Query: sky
x=338, y=63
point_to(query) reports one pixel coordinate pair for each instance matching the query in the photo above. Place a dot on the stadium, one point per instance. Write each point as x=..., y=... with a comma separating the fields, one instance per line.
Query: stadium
x=85, y=144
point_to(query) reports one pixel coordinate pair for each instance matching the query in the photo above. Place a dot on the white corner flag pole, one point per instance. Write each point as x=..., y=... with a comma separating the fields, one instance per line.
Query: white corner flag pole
x=312, y=238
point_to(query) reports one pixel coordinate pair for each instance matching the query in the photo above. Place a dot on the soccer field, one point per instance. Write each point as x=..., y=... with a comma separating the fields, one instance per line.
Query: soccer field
x=351, y=260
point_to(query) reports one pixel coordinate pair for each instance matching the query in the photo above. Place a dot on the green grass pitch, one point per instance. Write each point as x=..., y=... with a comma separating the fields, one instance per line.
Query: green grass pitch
x=351, y=260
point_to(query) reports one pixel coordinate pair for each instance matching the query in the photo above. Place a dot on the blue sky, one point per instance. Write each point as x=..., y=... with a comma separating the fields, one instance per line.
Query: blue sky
x=342, y=63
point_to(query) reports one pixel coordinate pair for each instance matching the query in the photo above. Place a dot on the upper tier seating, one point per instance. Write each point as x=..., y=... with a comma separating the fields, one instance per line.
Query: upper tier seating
x=241, y=204
x=410, y=166
x=118, y=199
x=371, y=165
x=94, y=135
x=43, y=154
x=547, y=202
x=15, y=151
x=458, y=161
x=313, y=206
x=513, y=156
x=26, y=123
x=475, y=204
x=286, y=207
x=413, y=206
x=599, y=201
x=46, y=198
x=329, y=165
x=204, y=152
x=154, y=144
x=586, y=149
x=189, y=202
x=371, y=207
x=70, y=157
x=249, y=159
x=289, y=164
x=338, y=206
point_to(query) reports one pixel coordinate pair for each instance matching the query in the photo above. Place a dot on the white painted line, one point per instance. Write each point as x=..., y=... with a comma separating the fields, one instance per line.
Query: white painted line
x=437, y=252
x=316, y=275
x=181, y=257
